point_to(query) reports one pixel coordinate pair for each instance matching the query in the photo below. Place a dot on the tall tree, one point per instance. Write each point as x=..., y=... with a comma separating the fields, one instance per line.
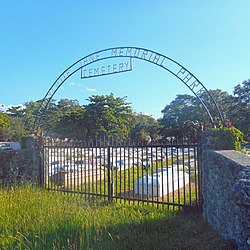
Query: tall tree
x=146, y=128
x=15, y=131
x=108, y=115
x=177, y=117
x=186, y=116
x=224, y=102
x=242, y=91
x=4, y=120
x=241, y=111
x=71, y=124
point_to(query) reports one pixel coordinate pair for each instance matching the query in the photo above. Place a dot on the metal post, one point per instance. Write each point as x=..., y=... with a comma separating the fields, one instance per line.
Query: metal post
x=110, y=182
x=40, y=152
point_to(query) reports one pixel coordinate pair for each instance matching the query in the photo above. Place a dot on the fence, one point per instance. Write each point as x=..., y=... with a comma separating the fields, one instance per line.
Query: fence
x=161, y=173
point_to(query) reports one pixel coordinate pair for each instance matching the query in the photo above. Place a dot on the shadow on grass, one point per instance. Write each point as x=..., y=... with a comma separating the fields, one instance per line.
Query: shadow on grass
x=179, y=231
x=182, y=231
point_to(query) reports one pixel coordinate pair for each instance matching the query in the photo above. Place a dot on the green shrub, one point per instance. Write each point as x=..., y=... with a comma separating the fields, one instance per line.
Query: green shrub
x=230, y=138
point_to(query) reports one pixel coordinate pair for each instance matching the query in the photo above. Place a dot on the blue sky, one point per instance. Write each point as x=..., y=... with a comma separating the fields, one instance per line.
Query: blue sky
x=40, y=39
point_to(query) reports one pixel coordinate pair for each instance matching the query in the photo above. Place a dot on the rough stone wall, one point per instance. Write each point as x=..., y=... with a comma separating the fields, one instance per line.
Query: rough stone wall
x=20, y=166
x=226, y=192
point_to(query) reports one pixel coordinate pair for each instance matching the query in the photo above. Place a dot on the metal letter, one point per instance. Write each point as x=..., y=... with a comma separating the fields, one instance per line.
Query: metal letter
x=85, y=60
x=121, y=52
x=187, y=77
x=193, y=85
x=129, y=51
x=151, y=56
x=137, y=51
x=114, y=68
x=97, y=55
x=157, y=57
x=114, y=52
x=163, y=60
x=145, y=52
x=92, y=59
x=199, y=91
x=103, y=70
x=96, y=71
x=121, y=67
x=90, y=72
x=182, y=70
x=83, y=75
x=109, y=68
x=126, y=64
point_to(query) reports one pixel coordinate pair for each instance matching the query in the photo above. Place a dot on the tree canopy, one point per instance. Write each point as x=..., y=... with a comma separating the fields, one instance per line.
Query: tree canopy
x=113, y=116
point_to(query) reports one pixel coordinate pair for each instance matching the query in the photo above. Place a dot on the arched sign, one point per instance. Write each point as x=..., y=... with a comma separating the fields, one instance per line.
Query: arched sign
x=93, y=65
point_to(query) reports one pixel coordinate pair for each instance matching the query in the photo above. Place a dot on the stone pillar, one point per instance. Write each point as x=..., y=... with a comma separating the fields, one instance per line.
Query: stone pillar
x=21, y=166
x=226, y=189
x=210, y=140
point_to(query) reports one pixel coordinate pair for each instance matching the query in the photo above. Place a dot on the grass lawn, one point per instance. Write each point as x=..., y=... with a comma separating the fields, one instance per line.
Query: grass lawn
x=33, y=218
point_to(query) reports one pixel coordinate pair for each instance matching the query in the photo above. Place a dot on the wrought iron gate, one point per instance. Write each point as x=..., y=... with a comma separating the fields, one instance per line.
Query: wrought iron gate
x=166, y=174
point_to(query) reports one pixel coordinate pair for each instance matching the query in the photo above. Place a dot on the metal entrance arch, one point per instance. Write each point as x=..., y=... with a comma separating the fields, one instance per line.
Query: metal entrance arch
x=128, y=54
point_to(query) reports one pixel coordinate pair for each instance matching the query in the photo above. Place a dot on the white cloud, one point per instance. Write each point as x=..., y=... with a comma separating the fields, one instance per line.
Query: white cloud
x=90, y=89
x=72, y=84
x=4, y=108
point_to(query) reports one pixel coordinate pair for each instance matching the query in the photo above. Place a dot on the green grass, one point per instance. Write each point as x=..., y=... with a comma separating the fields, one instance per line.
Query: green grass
x=33, y=218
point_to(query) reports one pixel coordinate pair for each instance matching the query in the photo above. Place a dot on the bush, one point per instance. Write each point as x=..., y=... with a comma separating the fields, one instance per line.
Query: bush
x=230, y=138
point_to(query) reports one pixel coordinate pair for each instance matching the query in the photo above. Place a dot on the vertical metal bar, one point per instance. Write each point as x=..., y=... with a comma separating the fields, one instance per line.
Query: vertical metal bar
x=91, y=171
x=85, y=172
x=71, y=166
x=195, y=173
x=150, y=163
x=88, y=148
x=163, y=178
x=124, y=170
x=59, y=156
x=54, y=164
x=82, y=167
x=68, y=166
x=167, y=160
x=50, y=164
x=74, y=150
x=109, y=177
x=105, y=168
x=157, y=172
x=178, y=176
x=43, y=163
x=138, y=175
x=47, y=163
x=133, y=173
x=189, y=174
x=173, y=186
x=128, y=173
x=200, y=173
x=120, y=171
x=99, y=168
x=115, y=169
x=112, y=173
x=40, y=152
x=96, y=170
x=58, y=166
x=142, y=175
x=48, y=171
x=183, y=173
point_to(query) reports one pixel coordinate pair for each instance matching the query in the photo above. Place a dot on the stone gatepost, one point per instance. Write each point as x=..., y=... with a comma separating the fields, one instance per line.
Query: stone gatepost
x=22, y=165
x=226, y=190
